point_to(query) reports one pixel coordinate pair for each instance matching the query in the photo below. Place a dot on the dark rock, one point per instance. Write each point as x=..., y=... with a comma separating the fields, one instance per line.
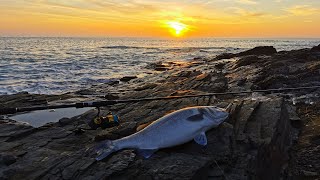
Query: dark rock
x=23, y=92
x=220, y=65
x=184, y=74
x=316, y=48
x=124, y=129
x=147, y=86
x=161, y=68
x=225, y=56
x=112, y=82
x=244, y=115
x=260, y=50
x=242, y=81
x=273, y=81
x=275, y=132
x=65, y=121
x=106, y=135
x=86, y=92
x=309, y=173
x=178, y=166
x=247, y=60
x=25, y=100
x=111, y=97
x=7, y=159
x=128, y=78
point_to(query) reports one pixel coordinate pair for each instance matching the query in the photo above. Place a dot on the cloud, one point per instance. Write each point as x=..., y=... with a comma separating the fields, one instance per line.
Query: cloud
x=247, y=1
x=302, y=10
x=245, y=13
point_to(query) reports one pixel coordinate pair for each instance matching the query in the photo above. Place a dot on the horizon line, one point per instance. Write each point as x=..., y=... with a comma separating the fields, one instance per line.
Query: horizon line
x=149, y=37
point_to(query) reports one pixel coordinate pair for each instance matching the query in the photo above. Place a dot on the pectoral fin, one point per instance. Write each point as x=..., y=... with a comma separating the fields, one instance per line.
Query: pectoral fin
x=201, y=139
x=146, y=153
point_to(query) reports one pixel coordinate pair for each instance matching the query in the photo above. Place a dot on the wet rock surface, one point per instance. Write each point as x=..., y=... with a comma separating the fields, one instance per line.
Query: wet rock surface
x=267, y=136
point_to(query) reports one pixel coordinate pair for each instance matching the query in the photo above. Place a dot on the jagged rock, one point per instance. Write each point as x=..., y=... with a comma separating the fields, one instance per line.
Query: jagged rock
x=272, y=81
x=309, y=173
x=147, y=86
x=112, y=82
x=178, y=166
x=128, y=78
x=159, y=66
x=241, y=82
x=244, y=116
x=220, y=65
x=7, y=159
x=86, y=92
x=251, y=144
x=161, y=69
x=247, y=60
x=26, y=100
x=260, y=50
x=65, y=121
x=316, y=48
x=225, y=56
x=111, y=96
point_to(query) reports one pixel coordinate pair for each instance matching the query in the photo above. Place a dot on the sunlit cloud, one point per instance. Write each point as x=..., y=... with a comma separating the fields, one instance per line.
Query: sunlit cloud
x=246, y=13
x=247, y=1
x=302, y=10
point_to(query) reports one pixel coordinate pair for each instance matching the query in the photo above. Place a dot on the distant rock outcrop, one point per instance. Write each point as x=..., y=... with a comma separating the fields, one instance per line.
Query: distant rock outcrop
x=316, y=48
x=260, y=50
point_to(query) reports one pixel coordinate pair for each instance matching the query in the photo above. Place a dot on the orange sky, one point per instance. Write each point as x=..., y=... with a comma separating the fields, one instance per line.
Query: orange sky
x=155, y=18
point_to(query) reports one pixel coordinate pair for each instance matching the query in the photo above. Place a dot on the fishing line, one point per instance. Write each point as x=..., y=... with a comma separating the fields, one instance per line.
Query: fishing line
x=214, y=94
x=4, y=111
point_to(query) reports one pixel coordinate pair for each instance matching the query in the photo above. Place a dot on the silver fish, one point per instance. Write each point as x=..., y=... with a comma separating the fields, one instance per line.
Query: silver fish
x=172, y=129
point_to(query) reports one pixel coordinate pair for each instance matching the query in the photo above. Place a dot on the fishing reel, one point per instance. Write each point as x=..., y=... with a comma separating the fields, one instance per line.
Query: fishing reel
x=104, y=122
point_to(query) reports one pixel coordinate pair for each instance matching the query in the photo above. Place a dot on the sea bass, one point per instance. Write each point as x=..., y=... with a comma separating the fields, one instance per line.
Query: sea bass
x=172, y=129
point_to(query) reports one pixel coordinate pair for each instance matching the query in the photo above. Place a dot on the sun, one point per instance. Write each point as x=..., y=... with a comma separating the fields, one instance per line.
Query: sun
x=177, y=28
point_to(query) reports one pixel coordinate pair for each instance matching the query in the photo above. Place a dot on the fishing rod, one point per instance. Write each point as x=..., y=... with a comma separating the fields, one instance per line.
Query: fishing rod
x=97, y=104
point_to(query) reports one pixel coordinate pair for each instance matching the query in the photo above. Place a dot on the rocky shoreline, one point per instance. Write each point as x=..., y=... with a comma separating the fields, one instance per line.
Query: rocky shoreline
x=268, y=136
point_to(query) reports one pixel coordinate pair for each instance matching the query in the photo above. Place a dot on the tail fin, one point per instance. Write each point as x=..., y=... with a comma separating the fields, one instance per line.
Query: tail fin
x=104, y=149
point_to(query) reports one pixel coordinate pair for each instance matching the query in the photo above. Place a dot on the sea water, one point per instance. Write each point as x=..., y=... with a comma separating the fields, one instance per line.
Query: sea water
x=58, y=65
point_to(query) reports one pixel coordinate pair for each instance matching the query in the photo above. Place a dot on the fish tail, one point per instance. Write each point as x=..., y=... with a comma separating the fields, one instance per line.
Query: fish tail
x=104, y=149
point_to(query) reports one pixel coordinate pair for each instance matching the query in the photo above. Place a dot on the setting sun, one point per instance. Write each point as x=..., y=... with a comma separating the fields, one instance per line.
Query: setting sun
x=177, y=28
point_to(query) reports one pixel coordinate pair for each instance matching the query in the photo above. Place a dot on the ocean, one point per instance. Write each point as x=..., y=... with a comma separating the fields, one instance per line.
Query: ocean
x=59, y=65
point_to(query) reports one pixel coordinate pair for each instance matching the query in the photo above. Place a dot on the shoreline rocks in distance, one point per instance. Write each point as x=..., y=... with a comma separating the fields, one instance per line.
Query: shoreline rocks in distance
x=260, y=50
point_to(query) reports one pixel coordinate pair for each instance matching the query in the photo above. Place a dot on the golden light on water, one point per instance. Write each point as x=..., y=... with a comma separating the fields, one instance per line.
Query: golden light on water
x=177, y=28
